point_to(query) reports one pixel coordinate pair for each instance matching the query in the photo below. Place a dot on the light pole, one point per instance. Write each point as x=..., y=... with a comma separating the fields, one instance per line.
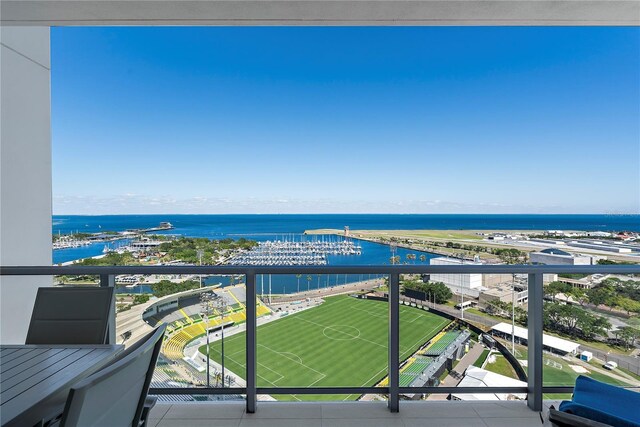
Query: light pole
x=200, y=252
x=461, y=301
x=513, y=314
x=206, y=305
x=221, y=306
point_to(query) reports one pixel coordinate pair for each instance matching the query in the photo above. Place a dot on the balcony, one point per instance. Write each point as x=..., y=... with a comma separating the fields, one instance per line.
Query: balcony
x=241, y=403
x=369, y=414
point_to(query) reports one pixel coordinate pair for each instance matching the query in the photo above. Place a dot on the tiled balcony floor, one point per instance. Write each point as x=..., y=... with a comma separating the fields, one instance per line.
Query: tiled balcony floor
x=348, y=414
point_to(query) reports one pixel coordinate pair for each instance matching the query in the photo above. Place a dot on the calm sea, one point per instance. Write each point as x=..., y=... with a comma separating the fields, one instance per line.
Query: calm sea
x=266, y=227
x=217, y=226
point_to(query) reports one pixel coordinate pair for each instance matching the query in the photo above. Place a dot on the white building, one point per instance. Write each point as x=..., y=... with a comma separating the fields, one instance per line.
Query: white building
x=467, y=284
x=478, y=377
x=553, y=256
x=549, y=342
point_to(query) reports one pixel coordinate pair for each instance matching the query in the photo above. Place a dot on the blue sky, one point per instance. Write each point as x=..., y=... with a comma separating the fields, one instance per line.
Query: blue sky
x=295, y=120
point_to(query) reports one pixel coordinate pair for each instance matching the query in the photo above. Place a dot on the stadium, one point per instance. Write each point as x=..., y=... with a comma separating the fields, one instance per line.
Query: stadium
x=338, y=340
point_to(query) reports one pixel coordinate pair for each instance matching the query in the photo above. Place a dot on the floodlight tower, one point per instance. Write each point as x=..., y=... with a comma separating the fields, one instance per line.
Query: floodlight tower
x=200, y=252
x=206, y=309
x=221, y=306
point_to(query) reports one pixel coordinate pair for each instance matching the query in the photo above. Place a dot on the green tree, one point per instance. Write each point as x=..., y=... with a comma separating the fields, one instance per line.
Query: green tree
x=498, y=308
x=628, y=305
x=592, y=326
x=437, y=291
x=628, y=335
x=555, y=288
x=140, y=299
x=167, y=287
x=511, y=256
x=601, y=295
x=579, y=295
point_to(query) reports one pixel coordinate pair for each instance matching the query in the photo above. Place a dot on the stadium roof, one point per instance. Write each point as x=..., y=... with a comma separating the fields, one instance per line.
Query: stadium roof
x=563, y=345
x=478, y=377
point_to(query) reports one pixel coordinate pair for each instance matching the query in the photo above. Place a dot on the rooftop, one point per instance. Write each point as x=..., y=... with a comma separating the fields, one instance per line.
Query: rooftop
x=478, y=377
x=548, y=340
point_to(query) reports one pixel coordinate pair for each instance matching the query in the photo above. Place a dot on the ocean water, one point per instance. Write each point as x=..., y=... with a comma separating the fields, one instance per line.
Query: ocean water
x=216, y=226
x=269, y=227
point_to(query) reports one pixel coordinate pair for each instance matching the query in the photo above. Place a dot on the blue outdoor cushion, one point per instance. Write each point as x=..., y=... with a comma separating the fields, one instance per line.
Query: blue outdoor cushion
x=604, y=403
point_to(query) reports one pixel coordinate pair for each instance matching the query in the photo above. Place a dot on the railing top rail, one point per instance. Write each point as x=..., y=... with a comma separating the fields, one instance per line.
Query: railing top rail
x=335, y=269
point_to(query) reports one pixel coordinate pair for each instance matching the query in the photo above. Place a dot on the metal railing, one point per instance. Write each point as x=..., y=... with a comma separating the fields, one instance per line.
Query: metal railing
x=534, y=389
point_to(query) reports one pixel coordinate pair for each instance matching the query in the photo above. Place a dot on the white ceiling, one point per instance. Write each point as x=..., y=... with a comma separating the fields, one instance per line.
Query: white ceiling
x=320, y=12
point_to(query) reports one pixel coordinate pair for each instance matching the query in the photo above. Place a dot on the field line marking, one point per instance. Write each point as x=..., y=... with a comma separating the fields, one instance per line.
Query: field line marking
x=359, y=338
x=293, y=360
x=370, y=313
x=272, y=370
x=242, y=365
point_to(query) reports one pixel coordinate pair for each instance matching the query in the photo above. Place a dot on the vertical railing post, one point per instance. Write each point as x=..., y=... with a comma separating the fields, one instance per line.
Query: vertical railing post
x=394, y=342
x=534, y=342
x=109, y=280
x=251, y=362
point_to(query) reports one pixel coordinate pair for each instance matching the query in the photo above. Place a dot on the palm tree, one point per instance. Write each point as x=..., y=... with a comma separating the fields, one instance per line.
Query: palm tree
x=308, y=282
x=298, y=276
x=423, y=258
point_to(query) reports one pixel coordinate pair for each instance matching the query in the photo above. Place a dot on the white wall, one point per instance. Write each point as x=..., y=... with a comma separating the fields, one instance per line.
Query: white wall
x=25, y=171
x=469, y=284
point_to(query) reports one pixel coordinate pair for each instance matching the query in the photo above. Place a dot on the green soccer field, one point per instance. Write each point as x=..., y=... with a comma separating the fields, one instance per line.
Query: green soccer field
x=343, y=342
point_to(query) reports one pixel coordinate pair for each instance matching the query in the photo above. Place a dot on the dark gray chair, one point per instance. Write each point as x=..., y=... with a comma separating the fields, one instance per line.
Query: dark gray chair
x=117, y=395
x=71, y=315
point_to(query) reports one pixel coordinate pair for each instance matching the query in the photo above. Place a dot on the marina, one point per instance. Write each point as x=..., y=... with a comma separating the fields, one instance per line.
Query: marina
x=284, y=252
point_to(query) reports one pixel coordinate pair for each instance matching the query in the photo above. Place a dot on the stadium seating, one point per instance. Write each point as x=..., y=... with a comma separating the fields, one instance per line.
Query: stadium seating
x=438, y=346
x=186, y=329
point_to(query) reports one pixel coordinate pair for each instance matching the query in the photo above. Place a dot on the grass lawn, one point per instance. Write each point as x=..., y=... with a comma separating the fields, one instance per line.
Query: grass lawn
x=478, y=363
x=501, y=366
x=343, y=342
x=557, y=371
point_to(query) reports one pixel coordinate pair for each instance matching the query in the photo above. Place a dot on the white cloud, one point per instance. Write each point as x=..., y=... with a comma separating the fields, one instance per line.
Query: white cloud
x=139, y=204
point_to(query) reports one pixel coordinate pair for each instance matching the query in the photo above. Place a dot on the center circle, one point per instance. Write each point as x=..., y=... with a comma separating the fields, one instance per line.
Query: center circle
x=341, y=332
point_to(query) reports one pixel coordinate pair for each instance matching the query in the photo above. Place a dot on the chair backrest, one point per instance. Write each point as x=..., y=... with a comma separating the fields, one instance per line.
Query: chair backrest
x=115, y=395
x=619, y=402
x=71, y=315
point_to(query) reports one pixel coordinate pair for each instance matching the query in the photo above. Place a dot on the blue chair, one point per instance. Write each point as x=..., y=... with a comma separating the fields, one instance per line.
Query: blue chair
x=603, y=403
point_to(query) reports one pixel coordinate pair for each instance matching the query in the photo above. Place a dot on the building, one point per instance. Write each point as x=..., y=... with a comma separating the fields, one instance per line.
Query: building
x=553, y=256
x=600, y=246
x=503, y=293
x=478, y=377
x=549, y=343
x=467, y=284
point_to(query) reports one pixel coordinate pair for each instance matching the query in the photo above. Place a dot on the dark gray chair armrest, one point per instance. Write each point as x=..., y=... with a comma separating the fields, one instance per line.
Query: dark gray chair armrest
x=562, y=419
